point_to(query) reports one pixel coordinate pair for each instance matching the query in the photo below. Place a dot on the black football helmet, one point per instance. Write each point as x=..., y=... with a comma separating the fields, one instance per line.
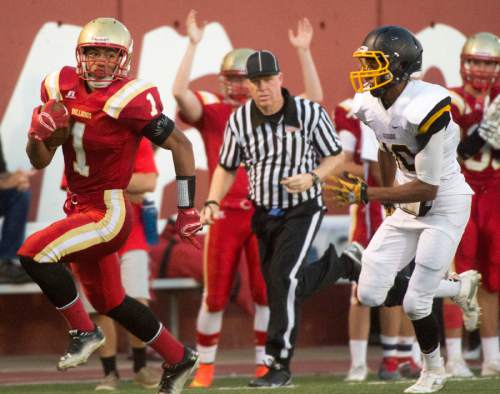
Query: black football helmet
x=389, y=55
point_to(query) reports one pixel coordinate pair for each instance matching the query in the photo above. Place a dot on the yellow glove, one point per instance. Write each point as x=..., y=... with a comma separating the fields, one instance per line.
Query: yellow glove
x=347, y=189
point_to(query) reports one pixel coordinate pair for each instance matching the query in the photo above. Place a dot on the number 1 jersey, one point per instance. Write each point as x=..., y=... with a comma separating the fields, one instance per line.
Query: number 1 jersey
x=106, y=127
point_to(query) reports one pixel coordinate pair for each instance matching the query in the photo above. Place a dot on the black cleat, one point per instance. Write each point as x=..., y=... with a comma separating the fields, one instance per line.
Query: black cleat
x=277, y=376
x=174, y=376
x=352, y=256
x=81, y=345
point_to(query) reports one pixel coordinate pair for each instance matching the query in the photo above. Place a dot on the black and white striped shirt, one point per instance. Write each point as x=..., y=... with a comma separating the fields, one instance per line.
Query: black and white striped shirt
x=274, y=149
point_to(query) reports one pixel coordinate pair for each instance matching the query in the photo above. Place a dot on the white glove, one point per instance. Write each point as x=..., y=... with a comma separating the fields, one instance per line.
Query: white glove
x=489, y=129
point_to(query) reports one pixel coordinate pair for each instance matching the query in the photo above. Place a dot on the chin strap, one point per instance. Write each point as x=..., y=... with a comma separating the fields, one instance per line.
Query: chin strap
x=100, y=84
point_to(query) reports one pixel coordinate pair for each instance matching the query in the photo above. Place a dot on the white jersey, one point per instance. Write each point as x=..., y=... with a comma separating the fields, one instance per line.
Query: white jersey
x=421, y=110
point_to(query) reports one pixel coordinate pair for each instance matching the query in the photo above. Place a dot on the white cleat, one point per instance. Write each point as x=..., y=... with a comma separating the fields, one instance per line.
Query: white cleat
x=467, y=298
x=357, y=373
x=430, y=381
x=458, y=368
x=490, y=368
x=81, y=345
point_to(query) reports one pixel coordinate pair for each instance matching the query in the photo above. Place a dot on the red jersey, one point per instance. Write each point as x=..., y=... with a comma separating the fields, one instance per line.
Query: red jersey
x=144, y=163
x=99, y=155
x=482, y=168
x=211, y=126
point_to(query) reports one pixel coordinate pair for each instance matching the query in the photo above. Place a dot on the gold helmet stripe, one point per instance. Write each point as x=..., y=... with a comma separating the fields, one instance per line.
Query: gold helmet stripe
x=90, y=234
x=115, y=104
x=52, y=85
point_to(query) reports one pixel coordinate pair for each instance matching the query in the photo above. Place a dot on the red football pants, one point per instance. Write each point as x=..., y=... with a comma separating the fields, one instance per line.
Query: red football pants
x=97, y=225
x=480, y=245
x=365, y=220
x=226, y=239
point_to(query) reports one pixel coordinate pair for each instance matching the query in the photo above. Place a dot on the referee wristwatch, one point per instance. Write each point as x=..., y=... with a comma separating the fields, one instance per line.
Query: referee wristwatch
x=315, y=177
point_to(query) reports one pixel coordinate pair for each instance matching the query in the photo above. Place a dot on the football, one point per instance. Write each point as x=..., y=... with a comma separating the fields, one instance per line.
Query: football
x=60, y=134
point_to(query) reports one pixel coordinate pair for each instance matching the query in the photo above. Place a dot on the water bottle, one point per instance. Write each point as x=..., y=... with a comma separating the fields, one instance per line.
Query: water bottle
x=150, y=220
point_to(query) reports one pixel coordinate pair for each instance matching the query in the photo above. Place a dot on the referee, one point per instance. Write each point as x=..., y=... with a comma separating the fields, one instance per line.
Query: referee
x=287, y=145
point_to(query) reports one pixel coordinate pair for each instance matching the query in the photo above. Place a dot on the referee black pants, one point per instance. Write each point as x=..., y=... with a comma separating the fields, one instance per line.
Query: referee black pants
x=284, y=240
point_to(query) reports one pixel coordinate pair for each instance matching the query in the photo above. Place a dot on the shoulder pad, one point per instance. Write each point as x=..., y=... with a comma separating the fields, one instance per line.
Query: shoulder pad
x=57, y=83
x=134, y=99
x=207, y=98
x=426, y=100
x=457, y=100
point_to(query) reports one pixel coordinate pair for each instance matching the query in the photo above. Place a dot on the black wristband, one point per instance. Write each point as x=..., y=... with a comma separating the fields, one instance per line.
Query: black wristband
x=210, y=202
x=316, y=179
x=186, y=186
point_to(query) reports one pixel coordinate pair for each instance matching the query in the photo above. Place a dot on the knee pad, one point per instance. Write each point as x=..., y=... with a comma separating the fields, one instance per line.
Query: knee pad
x=54, y=279
x=136, y=318
x=415, y=306
x=371, y=296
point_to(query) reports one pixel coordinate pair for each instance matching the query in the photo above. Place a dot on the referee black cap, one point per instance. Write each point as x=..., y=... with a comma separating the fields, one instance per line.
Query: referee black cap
x=262, y=63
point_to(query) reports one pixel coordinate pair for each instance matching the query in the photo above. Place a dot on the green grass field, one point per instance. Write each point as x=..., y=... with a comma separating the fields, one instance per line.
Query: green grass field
x=310, y=384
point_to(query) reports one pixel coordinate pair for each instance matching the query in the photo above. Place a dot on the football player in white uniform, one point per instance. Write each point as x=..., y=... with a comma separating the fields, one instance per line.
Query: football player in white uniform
x=421, y=176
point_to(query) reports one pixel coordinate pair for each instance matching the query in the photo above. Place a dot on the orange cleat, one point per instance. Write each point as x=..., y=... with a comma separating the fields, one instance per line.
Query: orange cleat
x=204, y=376
x=260, y=370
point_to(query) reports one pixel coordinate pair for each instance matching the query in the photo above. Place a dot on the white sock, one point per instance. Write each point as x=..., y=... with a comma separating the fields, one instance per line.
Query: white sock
x=208, y=323
x=432, y=360
x=389, y=345
x=454, y=348
x=448, y=288
x=260, y=323
x=405, y=346
x=417, y=354
x=261, y=318
x=490, y=348
x=358, y=352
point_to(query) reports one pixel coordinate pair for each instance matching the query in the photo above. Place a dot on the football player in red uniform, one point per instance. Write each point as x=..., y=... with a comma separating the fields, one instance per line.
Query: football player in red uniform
x=396, y=332
x=108, y=114
x=476, y=109
x=134, y=269
x=209, y=112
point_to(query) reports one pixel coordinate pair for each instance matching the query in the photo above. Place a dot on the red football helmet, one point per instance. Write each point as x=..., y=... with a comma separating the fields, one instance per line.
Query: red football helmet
x=480, y=61
x=232, y=75
x=104, y=33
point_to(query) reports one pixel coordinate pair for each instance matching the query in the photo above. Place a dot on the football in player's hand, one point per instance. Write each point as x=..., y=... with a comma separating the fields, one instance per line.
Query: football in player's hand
x=61, y=120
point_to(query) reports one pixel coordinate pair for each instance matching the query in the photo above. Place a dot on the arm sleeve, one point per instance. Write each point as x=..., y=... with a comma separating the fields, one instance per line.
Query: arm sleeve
x=230, y=152
x=429, y=160
x=325, y=138
x=436, y=121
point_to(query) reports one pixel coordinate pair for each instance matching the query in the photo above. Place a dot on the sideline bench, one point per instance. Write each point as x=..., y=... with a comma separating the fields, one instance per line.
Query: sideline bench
x=157, y=284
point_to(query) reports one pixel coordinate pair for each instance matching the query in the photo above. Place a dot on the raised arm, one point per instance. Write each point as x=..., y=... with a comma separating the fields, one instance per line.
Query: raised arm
x=302, y=42
x=186, y=100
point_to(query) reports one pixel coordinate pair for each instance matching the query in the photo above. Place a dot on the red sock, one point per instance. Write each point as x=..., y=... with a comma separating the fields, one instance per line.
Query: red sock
x=168, y=347
x=75, y=315
x=207, y=340
x=260, y=338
